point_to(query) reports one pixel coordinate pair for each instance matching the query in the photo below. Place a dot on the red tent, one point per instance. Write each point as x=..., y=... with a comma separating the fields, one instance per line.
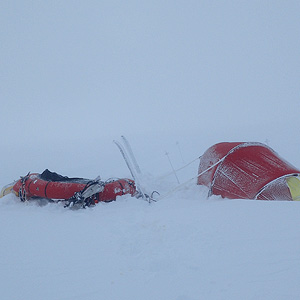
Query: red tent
x=246, y=171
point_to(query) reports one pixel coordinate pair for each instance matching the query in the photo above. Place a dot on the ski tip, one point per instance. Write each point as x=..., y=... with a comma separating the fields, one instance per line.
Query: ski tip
x=7, y=189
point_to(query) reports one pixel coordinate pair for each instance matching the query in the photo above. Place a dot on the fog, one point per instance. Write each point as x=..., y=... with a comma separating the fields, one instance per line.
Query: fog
x=77, y=74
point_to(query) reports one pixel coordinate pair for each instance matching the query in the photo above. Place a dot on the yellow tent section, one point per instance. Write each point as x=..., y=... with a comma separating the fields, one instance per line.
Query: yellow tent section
x=294, y=186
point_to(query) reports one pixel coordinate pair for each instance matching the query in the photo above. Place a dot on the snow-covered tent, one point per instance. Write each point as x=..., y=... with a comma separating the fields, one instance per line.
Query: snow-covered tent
x=242, y=170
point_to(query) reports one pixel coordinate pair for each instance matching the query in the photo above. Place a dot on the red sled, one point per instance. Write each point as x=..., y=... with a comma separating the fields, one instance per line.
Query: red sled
x=52, y=186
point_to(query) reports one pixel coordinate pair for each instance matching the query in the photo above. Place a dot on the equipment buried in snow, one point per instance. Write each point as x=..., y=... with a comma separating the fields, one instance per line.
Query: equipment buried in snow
x=134, y=169
x=245, y=170
x=72, y=191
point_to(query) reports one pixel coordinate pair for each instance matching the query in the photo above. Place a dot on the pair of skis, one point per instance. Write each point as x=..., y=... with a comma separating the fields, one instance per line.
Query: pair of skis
x=133, y=167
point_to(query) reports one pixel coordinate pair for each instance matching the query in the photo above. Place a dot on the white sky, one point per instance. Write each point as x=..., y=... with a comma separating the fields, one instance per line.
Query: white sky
x=77, y=69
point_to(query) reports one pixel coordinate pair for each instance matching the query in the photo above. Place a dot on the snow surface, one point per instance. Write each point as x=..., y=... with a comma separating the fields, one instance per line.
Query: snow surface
x=183, y=247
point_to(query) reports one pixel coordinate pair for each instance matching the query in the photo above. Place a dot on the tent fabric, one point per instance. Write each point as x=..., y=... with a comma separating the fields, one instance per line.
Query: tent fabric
x=246, y=171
